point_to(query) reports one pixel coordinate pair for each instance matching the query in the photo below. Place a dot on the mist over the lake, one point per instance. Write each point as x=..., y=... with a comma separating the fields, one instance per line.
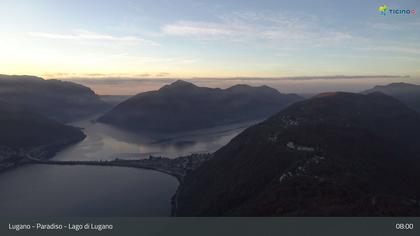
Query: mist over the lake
x=300, y=85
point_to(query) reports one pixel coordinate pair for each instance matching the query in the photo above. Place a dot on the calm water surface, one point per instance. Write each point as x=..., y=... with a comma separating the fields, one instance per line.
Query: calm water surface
x=47, y=190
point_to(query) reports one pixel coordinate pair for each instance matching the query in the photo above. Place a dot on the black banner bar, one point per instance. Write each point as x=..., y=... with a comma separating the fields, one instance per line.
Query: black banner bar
x=261, y=226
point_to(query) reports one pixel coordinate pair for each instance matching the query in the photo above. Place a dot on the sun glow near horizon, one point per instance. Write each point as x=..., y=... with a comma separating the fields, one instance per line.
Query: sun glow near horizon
x=218, y=39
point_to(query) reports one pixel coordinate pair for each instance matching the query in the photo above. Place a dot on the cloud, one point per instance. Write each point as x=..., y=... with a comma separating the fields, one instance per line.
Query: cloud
x=113, y=80
x=199, y=29
x=394, y=49
x=134, y=60
x=110, y=77
x=303, y=78
x=166, y=77
x=240, y=26
x=163, y=74
x=345, y=77
x=82, y=35
x=309, y=84
x=412, y=25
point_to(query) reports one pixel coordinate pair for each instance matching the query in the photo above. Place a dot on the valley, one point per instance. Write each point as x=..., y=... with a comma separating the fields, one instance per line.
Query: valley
x=185, y=150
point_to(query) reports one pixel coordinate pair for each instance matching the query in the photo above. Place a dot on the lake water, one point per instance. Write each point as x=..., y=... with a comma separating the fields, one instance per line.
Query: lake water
x=104, y=142
x=47, y=190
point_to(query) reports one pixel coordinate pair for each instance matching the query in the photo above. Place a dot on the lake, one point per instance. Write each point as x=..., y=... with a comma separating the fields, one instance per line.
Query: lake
x=47, y=190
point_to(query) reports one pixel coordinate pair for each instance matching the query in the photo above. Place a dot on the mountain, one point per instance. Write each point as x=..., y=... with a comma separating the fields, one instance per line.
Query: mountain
x=183, y=106
x=60, y=100
x=30, y=133
x=114, y=100
x=336, y=154
x=29, y=130
x=406, y=93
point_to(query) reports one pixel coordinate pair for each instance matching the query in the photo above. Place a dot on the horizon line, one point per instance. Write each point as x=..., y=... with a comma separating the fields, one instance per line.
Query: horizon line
x=227, y=78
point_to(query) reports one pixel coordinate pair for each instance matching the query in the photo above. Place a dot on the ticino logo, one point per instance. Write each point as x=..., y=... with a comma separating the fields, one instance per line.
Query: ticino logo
x=384, y=10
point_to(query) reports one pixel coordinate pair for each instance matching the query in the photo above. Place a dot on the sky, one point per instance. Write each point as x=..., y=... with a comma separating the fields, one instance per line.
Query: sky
x=209, y=39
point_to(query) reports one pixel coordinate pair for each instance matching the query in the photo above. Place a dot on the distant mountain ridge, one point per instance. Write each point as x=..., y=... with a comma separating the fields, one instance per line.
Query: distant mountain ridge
x=60, y=100
x=25, y=133
x=183, y=106
x=407, y=93
x=336, y=154
x=29, y=130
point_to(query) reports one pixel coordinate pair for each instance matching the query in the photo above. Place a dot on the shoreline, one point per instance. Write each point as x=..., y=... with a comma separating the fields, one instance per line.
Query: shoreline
x=177, y=167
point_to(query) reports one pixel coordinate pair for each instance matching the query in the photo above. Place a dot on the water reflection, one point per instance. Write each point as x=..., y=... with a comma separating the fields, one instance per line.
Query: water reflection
x=46, y=190
x=104, y=142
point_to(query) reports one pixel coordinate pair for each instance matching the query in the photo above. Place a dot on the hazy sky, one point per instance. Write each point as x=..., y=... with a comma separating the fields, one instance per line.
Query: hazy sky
x=217, y=38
